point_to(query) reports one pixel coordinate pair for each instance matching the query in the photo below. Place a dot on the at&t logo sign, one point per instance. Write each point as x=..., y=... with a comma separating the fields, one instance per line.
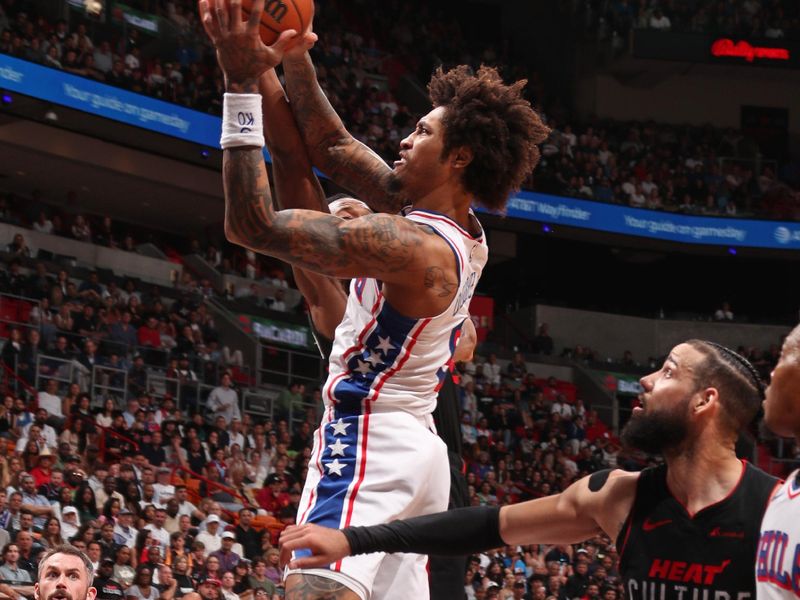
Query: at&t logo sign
x=784, y=235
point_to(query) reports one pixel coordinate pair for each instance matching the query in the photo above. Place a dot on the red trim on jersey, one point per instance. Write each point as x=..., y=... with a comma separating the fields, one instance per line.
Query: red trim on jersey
x=727, y=496
x=462, y=265
x=384, y=377
x=791, y=493
x=362, y=335
x=332, y=386
x=446, y=219
x=351, y=502
x=629, y=520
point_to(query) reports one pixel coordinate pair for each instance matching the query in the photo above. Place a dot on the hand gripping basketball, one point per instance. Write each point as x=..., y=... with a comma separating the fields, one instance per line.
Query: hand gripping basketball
x=241, y=53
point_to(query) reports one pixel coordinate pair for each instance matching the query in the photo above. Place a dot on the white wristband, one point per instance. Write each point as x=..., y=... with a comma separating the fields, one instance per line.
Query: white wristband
x=242, y=121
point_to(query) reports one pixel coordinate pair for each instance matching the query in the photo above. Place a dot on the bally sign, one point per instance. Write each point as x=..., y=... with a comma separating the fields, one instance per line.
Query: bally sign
x=743, y=49
x=701, y=48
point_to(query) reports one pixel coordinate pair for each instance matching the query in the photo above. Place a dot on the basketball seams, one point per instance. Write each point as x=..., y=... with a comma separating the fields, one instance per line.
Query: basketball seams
x=299, y=14
x=266, y=20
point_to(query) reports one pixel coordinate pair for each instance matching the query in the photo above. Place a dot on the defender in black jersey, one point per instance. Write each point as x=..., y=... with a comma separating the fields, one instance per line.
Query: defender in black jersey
x=326, y=298
x=686, y=530
x=667, y=552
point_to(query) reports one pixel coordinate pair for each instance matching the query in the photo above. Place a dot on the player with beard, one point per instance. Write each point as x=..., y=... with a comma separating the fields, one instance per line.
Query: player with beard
x=65, y=573
x=686, y=529
x=778, y=558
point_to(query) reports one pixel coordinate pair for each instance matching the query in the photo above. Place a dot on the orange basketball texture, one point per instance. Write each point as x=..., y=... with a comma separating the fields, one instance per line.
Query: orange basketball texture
x=280, y=15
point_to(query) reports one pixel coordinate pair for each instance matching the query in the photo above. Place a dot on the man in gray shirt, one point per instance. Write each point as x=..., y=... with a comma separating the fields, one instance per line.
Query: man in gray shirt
x=10, y=571
x=223, y=401
x=37, y=504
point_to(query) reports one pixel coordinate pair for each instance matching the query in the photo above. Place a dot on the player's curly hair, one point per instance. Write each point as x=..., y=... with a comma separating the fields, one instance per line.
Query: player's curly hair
x=496, y=123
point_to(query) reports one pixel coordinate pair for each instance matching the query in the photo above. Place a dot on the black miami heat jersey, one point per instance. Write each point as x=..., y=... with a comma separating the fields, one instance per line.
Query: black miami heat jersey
x=668, y=554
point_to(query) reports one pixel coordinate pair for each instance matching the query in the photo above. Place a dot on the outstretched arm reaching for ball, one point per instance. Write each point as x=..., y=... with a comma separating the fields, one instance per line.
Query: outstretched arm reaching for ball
x=296, y=186
x=332, y=148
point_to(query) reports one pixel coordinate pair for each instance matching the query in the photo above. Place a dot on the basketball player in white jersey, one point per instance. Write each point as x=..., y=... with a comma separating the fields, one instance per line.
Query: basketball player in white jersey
x=296, y=186
x=778, y=558
x=375, y=456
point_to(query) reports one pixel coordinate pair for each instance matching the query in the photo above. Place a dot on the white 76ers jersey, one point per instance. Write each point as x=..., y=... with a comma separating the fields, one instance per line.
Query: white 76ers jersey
x=778, y=557
x=384, y=361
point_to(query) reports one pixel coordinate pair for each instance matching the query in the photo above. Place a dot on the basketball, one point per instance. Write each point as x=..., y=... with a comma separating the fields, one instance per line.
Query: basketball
x=280, y=15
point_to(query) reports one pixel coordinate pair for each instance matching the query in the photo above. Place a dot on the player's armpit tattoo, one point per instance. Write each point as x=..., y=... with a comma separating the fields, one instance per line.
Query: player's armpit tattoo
x=312, y=587
x=436, y=280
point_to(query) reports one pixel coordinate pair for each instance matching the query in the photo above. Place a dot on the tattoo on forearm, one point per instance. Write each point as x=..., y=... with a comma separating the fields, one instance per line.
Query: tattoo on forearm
x=309, y=239
x=345, y=160
x=312, y=587
x=436, y=280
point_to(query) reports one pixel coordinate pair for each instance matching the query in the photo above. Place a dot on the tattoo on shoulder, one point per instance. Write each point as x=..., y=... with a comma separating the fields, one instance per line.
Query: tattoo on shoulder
x=313, y=587
x=436, y=280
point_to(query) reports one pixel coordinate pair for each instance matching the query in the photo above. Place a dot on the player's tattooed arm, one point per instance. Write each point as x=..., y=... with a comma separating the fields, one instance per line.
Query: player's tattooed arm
x=313, y=587
x=388, y=247
x=333, y=150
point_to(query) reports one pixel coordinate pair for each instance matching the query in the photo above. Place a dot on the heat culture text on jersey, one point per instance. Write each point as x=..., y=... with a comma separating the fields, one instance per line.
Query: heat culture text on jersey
x=682, y=580
x=668, y=553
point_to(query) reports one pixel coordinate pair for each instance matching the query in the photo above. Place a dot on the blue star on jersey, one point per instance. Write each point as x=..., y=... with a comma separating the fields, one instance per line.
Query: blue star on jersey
x=378, y=353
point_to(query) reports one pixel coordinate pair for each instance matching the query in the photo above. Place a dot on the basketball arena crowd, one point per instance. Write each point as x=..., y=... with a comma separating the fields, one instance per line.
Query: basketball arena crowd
x=168, y=487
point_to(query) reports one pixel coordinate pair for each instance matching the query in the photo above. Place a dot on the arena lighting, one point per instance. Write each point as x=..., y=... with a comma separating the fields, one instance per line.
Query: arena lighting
x=547, y=229
x=7, y=98
x=725, y=47
x=204, y=154
x=732, y=251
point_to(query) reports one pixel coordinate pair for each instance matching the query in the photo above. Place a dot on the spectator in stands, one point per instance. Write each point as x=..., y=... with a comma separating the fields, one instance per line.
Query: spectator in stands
x=288, y=398
x=228, y=559
x=724, y=313
x=27, y=359
x=88, y=359
x=18, y=246
x=86, y=323
x=12, y=349
x=81, y=230
x=39, y=282
x=17, y=580
x=50, y=401
x=223, y=401
x=43, y=224
x=149, y=337
x=91, y=290
x=660, y=21
x=12, y=280
x=34, y=502
x=143, y=588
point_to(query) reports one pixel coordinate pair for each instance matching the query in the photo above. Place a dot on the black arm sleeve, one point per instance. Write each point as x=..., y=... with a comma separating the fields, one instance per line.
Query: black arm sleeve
x=452, y=533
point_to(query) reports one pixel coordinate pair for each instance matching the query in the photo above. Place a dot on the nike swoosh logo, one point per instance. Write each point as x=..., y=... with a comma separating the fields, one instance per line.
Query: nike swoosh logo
x=649, y=525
